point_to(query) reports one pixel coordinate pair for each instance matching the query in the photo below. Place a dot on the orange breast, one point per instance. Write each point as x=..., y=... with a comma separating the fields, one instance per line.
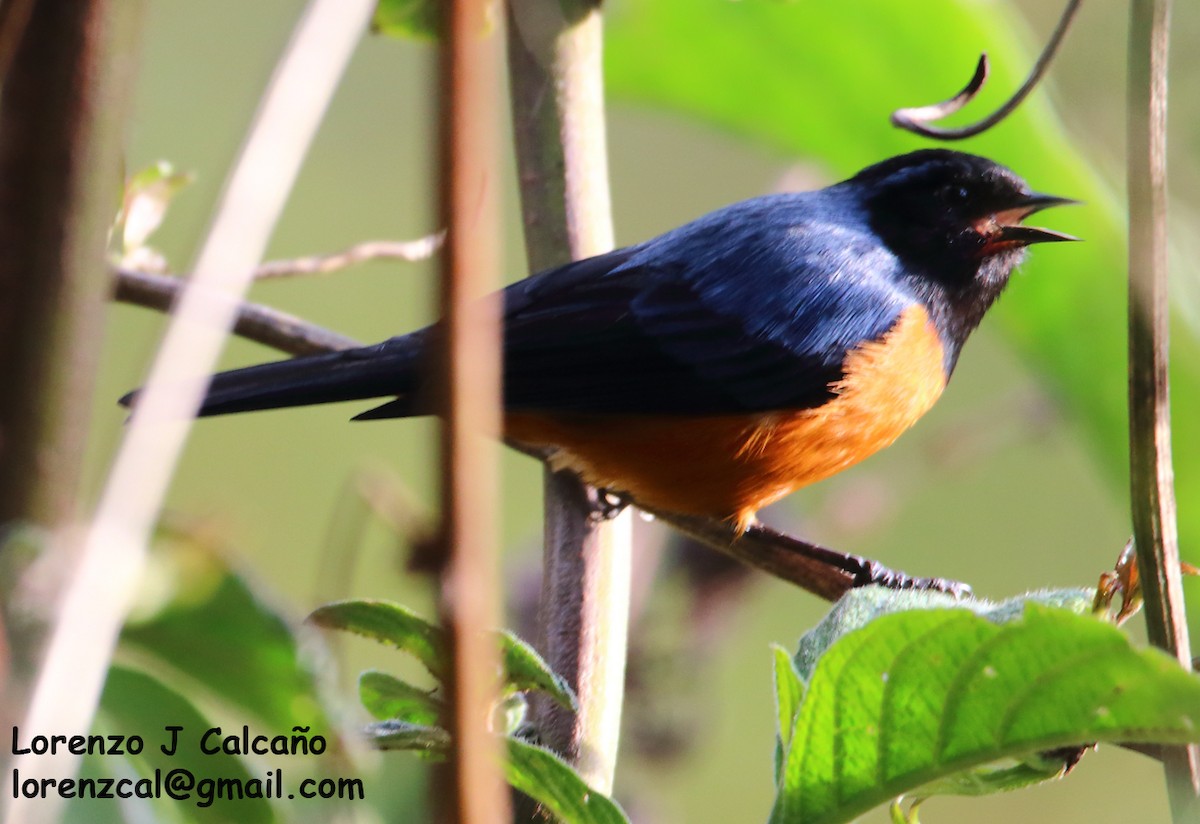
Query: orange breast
x=730, y=466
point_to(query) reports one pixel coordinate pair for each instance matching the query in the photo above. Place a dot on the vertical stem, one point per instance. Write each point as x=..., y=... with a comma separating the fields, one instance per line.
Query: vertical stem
x=471, y=381
x=1151, y=476
x=64, y=101
x=59, y=180
x=108, y=566
x=558, y=117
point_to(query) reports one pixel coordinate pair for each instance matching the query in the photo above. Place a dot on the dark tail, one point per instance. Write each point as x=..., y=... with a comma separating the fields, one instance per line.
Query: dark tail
x=389, y=368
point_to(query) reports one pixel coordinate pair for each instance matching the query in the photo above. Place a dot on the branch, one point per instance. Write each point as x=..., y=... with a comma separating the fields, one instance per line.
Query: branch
x=918, y=118
x=1151, y=476
x=824, y=572
x=408, y=250
x=253, y=321
x=265, y=325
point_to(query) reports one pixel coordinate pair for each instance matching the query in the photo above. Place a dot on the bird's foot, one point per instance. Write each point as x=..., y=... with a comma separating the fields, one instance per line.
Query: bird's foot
x=606, y=504
x=872, y=572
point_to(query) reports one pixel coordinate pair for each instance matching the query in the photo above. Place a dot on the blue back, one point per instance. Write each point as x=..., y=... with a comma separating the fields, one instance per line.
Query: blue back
x=750, y=308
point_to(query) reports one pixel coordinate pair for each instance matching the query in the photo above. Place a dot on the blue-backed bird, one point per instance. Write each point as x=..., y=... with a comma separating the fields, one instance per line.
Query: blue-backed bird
x=719, y=366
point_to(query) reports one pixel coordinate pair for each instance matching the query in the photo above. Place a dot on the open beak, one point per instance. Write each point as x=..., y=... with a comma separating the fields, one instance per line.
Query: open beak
x=1003, y=228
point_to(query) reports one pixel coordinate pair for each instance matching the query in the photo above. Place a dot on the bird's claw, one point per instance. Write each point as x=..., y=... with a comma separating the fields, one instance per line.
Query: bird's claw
x=606, y=505
x=872, y=572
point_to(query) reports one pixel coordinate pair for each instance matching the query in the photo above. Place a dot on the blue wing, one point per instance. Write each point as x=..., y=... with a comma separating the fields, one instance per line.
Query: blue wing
x=750, y=308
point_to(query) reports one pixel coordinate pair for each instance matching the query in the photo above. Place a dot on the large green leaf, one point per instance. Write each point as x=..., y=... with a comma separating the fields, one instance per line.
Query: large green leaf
x=135, y=703
x=819, y=80
x=206, y=623
x=909, y=701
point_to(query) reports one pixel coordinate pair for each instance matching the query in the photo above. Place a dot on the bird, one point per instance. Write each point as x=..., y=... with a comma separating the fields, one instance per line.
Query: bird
x=718, y=367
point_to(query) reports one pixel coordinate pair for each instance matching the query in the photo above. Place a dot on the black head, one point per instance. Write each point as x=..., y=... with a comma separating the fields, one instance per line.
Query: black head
x=954, y=220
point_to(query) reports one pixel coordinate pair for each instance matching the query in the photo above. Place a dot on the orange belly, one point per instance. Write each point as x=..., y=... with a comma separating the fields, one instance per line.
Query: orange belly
x=730, y=466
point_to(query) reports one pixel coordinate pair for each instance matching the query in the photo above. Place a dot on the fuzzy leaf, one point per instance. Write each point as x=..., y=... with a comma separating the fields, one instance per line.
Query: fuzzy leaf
x=526, y=670
x=916, y=696
x=548, y=779
x=401, y=735
x=388, y=623
x=386, y=697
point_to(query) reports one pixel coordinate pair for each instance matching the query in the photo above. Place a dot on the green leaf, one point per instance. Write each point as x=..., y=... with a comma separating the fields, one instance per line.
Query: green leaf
x=916, y=696
x=526, y=670
x=420, y=19
x=533, y=770
x=396, y=625
x=401, y=735
x=826, y=76
x=789, y=691
x=862, y=605
x=134, y=703
x=392, y=624
x=203, y=621
x=547, y=779
x=1032, y=769
x=386, y=697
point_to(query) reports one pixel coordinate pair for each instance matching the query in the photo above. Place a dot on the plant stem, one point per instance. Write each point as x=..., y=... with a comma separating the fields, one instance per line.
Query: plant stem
x=109, y=563
x=470, y=383
x=558, y=118
x=59, y=155
x=64, y=101
x=1151, y=475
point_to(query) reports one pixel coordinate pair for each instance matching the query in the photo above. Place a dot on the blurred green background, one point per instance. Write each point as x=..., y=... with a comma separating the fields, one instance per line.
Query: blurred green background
x=1013, y=482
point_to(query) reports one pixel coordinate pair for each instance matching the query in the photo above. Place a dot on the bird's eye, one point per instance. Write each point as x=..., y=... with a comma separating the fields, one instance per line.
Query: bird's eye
x=955, y=195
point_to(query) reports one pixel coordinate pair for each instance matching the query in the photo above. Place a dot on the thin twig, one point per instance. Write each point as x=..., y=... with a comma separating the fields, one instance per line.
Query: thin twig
x=469, y=379
x=918, y=118
x=1151, y=476
x=112, y=556
x=408, y=250
x=253, y=321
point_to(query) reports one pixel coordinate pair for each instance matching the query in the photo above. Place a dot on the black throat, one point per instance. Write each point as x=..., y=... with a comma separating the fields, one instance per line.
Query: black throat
x=957, y=302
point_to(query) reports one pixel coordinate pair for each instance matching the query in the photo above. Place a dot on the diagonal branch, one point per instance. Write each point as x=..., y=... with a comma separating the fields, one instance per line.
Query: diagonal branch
x=253, y=321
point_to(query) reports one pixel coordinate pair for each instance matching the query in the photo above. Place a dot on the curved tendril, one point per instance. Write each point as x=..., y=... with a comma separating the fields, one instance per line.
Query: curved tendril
x=917, y=119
